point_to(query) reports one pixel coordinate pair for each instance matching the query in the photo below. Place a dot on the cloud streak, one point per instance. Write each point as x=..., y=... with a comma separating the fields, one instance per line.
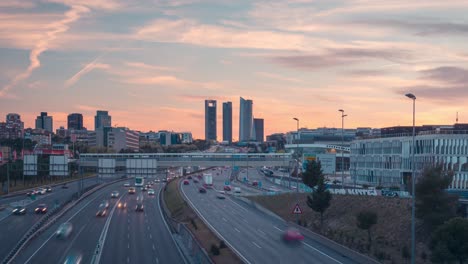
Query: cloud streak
x=87, y=68
x=42, y=45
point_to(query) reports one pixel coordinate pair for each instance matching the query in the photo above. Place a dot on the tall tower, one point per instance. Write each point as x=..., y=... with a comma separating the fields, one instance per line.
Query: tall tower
x=210, y=119
x=75, y=121
x=245, y=120
x=227, y=121
x=45, y=122
x=102, y=119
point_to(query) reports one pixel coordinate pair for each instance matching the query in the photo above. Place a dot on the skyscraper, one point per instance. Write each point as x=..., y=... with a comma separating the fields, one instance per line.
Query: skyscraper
x=44, y=122
x=227, y=121
x=245, y=120
x=75, y=121
x=210, y=119
x=102, y=119
x=258, y=128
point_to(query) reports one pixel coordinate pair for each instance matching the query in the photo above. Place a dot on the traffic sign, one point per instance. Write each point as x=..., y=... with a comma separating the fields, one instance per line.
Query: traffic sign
x=33, y=197
x=226, y=183
x=259, y=184
x=297, y=209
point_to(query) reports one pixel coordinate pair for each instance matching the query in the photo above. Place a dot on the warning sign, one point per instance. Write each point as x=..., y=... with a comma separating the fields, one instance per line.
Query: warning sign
x=297, y=209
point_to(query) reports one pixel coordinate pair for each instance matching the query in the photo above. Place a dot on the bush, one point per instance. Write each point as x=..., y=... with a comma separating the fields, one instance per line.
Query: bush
x=379, y=187
x=222, y=244
x=365, y=186
x=214, y=250
x=405, y=252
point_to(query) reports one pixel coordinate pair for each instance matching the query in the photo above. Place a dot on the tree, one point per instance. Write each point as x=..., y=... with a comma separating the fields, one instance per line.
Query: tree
x=320, y=199
x=312, y=174
x=365, y=220
x=433, y=204
x=450, y=242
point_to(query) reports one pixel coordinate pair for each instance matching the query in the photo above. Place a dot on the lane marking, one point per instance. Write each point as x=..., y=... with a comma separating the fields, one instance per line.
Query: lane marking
x=151, y=236
x=337, y=261
x=128, y=259
x=256, y=244
x=154, y=248
x=261, y=232
x=128, y=235
x=157, y=260
x=237, y=229
x=278, y=228
x=128, y=245
x=53, y=234
x=73, y=241
x=224, y=219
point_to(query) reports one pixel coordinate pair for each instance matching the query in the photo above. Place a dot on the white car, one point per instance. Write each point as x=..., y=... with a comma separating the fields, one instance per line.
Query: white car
x=42, y=191
x=64, y=230
x=151, y=192
x=126, y=184
x=237, y=189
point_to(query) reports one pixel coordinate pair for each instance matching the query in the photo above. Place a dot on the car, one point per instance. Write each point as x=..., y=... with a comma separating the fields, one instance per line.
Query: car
x=237, y=189
x=202, y=190
x=42, y=191
x=127, y=184
x=292, y=235
x=105, y=203
x=151, y=192
x=221, y=195
x=255, y=183
x=195, y=181
x=31, y=193
x=19, y=210
x=189, y=177
x=131, y=190
x=64, y=186
x=48, y=189
x=64, y=230
x=158, y=180
x=114, y=194
x=139, y=207
x=74, y=258
x=227, y=187
x=41, y=209
x=186, y=182
x=122, y=205
x=102, y=210
x=144, y=189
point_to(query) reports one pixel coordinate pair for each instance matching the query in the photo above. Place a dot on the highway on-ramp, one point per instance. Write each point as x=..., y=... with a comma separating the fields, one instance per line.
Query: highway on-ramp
x=256, y=236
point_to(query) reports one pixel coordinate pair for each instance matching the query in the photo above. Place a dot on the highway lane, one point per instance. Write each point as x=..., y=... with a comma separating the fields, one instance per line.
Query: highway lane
x=255, y=235
x=46, y=248
x=14, y=227
x=140, y=237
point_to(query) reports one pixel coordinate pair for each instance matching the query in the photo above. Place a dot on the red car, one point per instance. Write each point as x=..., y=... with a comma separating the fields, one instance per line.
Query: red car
x=186, y=182
x=227, y=188
x=292, y=235
x=202, y=190
x=255, y=183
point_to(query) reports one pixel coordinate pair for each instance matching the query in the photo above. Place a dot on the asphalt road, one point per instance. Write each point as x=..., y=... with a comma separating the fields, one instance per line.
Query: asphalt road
x=14, y=227
x=129, y=238
x=254, y=234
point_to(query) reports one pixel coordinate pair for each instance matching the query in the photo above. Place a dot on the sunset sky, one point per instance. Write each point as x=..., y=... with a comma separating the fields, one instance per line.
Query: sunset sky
x=152, y=64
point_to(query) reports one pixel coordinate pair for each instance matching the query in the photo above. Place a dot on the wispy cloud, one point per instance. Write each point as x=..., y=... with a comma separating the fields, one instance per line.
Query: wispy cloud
x=278, y=77
x=87, y=68
x=144, y=66
x=56, y=28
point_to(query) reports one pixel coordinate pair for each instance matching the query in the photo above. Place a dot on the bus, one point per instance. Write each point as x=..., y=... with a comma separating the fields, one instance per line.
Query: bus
x=139, y=181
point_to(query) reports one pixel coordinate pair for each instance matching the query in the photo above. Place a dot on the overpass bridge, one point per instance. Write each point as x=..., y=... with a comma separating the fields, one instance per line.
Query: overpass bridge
x=144, y=164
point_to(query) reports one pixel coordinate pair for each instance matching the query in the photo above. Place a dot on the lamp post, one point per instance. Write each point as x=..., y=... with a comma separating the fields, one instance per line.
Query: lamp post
x=297, y=166
x=342, y=146
x=413, y=180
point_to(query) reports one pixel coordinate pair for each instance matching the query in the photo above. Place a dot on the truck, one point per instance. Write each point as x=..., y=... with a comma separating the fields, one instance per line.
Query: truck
x=208, y=179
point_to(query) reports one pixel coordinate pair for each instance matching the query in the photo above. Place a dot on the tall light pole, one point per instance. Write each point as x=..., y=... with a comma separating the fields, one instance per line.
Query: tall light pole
x=297, y=166
x=342, y=146
x=413, y=180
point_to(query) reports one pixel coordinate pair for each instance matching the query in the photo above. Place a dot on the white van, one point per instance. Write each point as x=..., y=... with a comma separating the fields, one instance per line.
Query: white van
x=237, y=189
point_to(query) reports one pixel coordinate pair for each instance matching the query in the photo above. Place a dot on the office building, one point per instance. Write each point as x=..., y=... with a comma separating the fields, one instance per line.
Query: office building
x=75, y=121
x=210, y=120
x=186, y=137
x=245, y=120
x=44, y=122
x=386, y=160
x=122, y=138
x=102, y=119
x=258, y=129
x=227, y=122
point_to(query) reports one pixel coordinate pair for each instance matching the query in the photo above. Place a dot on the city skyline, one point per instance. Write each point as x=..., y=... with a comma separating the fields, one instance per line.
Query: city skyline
x=292, y=58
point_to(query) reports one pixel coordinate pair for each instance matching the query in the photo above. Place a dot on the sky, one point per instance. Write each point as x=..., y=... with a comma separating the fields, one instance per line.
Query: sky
x=152, y=63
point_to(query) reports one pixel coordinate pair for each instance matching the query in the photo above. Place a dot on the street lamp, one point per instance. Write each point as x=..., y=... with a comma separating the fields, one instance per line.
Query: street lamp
x=297, y=166
x=342, y=146
x=413, y=180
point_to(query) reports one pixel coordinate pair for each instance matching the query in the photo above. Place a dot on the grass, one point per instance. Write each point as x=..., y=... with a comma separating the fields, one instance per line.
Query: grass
x=29, y=184
x=182, y=212
x=390, y=235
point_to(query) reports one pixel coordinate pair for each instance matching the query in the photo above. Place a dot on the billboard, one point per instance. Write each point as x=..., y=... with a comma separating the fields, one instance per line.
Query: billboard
x=106, y=167
x=30, y=165
x=328, y=162
x=58, y=166
x=141, y=167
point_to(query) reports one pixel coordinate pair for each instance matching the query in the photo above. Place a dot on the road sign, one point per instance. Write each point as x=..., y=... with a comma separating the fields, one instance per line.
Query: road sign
x=33, y=197
x=297, y=209
x=259, y=184
x=226, y=183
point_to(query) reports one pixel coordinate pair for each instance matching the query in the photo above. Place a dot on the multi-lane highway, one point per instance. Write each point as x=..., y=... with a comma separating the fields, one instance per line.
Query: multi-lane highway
x=13, y=227
x=255, y=235
x=127, y=236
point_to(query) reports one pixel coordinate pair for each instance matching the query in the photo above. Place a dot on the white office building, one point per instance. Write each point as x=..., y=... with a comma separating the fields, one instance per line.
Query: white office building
x=386, y=161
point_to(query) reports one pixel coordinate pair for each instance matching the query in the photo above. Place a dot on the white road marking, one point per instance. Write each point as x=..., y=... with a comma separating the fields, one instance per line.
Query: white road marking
x=237, y=229
x=157, y=260
x=128, y=235
x=154, y=248
x=261, y=232
x=128, y=259
x=245, y=220
x=151, y=236
x=224, y=219
x=337, y=261
x=256, y=244
x=128, y=245
x=278, y=228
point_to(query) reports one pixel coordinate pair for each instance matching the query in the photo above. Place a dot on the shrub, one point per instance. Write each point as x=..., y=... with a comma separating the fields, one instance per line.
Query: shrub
x=222, y=244
x=214, y=250
x=405, y=252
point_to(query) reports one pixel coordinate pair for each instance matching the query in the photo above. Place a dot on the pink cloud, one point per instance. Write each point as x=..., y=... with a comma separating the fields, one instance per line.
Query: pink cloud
x=87, y=68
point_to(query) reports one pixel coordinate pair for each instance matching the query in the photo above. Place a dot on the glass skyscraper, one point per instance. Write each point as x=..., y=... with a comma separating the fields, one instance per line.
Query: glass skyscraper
x=227, y=121
x=245, y=120
x=210, y=119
